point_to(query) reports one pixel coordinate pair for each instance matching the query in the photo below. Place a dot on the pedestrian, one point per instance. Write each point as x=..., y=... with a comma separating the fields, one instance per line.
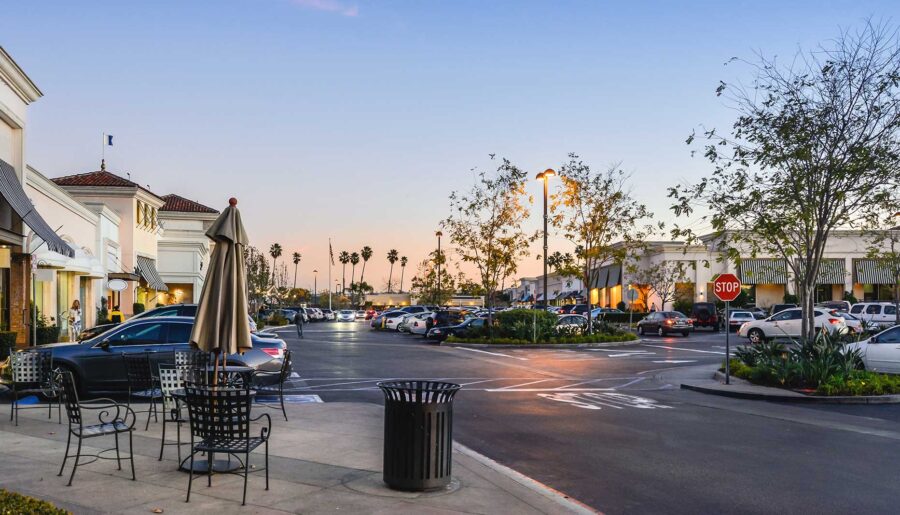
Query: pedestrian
x=116, y=316
x=74, y=320
x=298, y=320
x=653, y=307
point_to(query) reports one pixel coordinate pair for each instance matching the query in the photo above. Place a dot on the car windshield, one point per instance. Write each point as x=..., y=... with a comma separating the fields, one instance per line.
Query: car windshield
x=674, y=314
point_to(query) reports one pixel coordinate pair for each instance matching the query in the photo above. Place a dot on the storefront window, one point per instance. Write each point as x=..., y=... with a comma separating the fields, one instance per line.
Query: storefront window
x=63, y=299
x=4, y=299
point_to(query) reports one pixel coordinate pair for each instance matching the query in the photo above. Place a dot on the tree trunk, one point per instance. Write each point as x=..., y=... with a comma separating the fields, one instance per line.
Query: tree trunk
x=490, y=303
x=402, y=271
x=587, y=291
x=807, y=300
x=390, y=277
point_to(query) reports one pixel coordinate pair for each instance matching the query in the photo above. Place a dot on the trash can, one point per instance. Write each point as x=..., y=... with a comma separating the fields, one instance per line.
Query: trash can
x=418, y=433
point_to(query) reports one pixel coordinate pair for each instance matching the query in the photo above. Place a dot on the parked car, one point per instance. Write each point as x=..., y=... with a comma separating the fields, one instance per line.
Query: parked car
x=387, y=320
x=414, y=309
x=778, y=308
x=370, y=314
x=704, y=314
x=880, y=314
x=329, y=314
x=598, y=313
x=467, y=328
x=579, y=309
x=839, y=305
x=664, y=322
x=554, y=309
x=403, y=324
x=737, y=318
x=881, y=352
x=187, y=310
x=346, y=315
x=97, y=364
x=566, y=309
x=571, y=324
x=361, y=315
x=418, y=324
x=444, y=318
x=788, y=323
x=854, y=325
x=287, y=314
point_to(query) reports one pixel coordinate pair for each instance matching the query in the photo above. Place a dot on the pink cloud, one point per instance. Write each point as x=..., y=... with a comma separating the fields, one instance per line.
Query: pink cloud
x=331, y=6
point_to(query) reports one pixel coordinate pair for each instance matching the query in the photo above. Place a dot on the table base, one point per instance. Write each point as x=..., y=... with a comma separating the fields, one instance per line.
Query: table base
x=202, y=466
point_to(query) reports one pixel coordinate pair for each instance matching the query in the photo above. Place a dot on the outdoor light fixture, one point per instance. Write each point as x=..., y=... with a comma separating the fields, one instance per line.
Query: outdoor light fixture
x=545, y=176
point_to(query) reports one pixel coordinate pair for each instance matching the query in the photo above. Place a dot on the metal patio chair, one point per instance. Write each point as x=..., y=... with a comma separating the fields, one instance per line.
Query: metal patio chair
x=142, y=383
x=278, y=388
x=169, y=381
x=192, y=365
x=32, y=374
x=113, y=419
x=220, y=423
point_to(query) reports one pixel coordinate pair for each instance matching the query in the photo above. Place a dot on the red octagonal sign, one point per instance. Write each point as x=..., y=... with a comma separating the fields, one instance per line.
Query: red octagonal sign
x=727, y=287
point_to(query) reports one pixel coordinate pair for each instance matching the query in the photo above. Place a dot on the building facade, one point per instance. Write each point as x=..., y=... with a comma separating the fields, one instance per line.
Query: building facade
x=183, y=248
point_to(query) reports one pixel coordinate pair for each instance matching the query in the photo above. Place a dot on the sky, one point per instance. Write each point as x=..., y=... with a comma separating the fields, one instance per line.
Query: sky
x=354, y=120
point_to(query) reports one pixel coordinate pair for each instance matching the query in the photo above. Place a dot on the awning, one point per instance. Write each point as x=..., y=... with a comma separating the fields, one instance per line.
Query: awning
x=527, y=298
x=831, y=271
x=540, y=297
x=147, y=268
x=764, y=271
x=123, y=276
x=872, y=271
x=602, y=277
x=615, y=276
x=12, y=191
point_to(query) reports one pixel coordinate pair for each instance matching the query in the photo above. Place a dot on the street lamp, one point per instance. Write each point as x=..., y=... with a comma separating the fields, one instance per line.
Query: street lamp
x=438, y=260
x=315, y=287
x=545, y=176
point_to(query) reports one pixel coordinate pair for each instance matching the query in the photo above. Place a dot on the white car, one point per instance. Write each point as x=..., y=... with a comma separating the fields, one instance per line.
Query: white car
x=329, y=314
x=788, y=324
x=346, y=315
x=854, y=324
x=392, y=320
x=317, y=314
x=877, y=314
x=360, y=315
x=737, y=318
x=418, y=324
x=881, y=353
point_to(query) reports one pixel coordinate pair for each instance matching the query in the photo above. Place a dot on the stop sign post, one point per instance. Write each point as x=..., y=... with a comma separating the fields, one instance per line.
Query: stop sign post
x=727, y=287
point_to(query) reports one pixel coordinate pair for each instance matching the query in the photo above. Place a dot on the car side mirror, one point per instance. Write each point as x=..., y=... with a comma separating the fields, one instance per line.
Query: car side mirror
x=873, y=339
x=104, y=345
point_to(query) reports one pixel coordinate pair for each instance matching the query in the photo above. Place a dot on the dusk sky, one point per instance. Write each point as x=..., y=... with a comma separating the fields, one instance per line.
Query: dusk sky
x=354, y=120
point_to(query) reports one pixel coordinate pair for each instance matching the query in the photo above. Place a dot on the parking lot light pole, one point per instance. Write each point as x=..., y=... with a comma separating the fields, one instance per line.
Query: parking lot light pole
x=315, y=287
x=545, y=176
x=438, y=260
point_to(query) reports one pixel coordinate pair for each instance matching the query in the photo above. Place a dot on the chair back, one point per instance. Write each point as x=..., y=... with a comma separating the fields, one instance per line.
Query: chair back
x=219, y=413
x=138, y=370
x=70, y=397
x=286, y=367
x=169, y=380
x=32, y=367
x=192, y=365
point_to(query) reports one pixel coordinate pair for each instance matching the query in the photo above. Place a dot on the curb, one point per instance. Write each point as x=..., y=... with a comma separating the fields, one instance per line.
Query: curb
x=539, y=346
x=563, y=500
x=800, y=399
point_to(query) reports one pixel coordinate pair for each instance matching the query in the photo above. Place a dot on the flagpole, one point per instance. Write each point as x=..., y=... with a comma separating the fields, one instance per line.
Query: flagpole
x=330, y=262
x=103, y=148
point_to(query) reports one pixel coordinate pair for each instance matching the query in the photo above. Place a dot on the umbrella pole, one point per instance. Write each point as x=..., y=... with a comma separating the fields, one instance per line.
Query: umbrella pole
x=215, y=380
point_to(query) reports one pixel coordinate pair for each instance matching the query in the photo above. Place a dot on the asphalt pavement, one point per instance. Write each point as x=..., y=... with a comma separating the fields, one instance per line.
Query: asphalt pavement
x=611, y=428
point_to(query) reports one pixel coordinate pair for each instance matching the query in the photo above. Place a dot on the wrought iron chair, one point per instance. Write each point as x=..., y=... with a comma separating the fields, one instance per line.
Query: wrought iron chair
x=220, y=423
x=192, y=365
x=142, y=383
x=113, y=418
x=277, y=388
x=32, y=373
x=169, y=381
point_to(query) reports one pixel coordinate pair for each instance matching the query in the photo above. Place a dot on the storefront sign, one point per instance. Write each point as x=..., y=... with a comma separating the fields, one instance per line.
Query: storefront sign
x=116, y=284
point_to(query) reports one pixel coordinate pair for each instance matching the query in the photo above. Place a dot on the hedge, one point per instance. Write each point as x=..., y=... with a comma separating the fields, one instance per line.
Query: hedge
x=11, y=502
x=7, y=343
x=137, y=308
x=49, y=334
x=557, y=340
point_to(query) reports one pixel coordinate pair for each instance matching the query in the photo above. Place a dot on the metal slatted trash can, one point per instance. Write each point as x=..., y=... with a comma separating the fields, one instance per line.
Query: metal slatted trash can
x=418, y=433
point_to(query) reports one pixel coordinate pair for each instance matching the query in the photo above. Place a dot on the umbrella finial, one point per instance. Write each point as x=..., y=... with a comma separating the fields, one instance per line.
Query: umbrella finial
x=232, y=202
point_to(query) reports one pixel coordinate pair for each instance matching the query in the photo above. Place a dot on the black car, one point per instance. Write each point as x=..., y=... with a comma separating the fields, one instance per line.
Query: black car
x=579, y=309
x=704, y=314
x=665, y=322
x=174, y=310
x=97, y=364
x=443, y=318
x=566, y=309
x=470, y=327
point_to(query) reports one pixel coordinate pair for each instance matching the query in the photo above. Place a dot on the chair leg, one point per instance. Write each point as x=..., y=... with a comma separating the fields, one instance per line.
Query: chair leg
x=59, y=408
x=178, y=439
x=12, y=405
x=15, y=406
x=131, y=453
x=149, y=414
x=66, y=456
x=162, y=443
x=118, y=457
x=281, y=394
x=75, y=465
x=267, y=465
x=49, y=408
x=211, y=456
x=246, y=473
x=191, y=471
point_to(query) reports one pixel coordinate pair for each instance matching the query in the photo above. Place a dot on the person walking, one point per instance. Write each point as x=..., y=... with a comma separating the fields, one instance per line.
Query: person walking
x=298, y=320
x=116, y=316
x=74, y=320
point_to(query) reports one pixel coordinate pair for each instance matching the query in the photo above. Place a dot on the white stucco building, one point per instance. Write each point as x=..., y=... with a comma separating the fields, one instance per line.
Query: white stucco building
x=184, y=248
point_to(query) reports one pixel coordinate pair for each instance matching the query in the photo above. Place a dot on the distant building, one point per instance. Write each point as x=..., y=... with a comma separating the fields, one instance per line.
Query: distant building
x=183, y=247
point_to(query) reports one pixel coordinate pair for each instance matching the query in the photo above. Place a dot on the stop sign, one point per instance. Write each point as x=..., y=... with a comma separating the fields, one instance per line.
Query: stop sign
x=727, y=287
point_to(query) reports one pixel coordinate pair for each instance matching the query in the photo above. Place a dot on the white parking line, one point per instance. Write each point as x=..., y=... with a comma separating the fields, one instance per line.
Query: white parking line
x=523, y=384
x=492, y=353
x=677, y=361
x=687, y=350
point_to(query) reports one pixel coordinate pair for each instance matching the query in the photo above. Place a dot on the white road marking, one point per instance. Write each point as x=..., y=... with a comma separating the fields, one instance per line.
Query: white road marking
x=523, y=384
x=687, y=350
x=596, y=401
x=492, y=353
x=677, y=361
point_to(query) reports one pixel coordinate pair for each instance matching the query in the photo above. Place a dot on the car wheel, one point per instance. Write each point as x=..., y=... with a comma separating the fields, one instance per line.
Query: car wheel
x=660, y=332
x=756, y=336
x=640, y=330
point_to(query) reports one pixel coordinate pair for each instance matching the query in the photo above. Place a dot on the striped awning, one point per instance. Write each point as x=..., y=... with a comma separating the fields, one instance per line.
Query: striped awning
x=12, y=191
x=872, y=271
x=601, y=277
x=764, y=271
x=615, y=276
x=831, y=271
x=146, y=268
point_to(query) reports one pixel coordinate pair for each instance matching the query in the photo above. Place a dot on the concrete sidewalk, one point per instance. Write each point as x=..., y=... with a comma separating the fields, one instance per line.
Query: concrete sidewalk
x=326, y=459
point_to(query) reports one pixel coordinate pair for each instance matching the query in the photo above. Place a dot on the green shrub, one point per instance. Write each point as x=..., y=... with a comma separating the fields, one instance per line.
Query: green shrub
x=581, y=339
x=11, y=502
x=860, y=382
x=49, y=334
x=7, y=343
x=137, y=308
x=526, y=324
x=278, y=319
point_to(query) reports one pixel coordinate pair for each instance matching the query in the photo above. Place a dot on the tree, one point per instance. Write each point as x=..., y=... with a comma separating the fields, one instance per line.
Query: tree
x=425, y=284
x=258, y=275
x=661, y=278
x=366, y=254
x=275, y=252
x=884, y=245
x=392, y=257
x=597, y=212
x=354, y=260
x=561, y=263
x=403, y=262
x=814, y=149
x=344, y=258
x=485, y=226
x=297, y=257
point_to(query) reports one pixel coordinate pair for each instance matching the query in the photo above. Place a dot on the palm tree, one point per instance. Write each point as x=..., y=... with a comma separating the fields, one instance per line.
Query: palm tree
x=275, y=252
x=354, y=260
x=297, y=258
x=403, y=261
x=344, y=258
x=366, y=253
x=392, y=258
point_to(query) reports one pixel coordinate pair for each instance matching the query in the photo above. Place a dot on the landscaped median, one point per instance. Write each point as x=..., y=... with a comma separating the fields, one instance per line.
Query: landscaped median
x=559, y=340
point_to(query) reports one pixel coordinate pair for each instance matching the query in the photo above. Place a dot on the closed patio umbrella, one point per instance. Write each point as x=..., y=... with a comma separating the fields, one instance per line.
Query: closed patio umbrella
x=221, y=325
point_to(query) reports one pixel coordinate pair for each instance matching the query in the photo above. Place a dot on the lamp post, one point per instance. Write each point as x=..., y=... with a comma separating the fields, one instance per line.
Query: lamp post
x=438, y=260
x=315, y=287
x=545, y=176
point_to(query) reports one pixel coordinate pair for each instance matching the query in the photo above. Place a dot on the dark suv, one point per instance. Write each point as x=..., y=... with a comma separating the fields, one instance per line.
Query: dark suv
x=704, y=314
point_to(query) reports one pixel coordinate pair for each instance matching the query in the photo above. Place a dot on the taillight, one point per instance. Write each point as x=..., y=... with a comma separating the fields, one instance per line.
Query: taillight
x=834, y=321
x=669, y=321
x=275, y=352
